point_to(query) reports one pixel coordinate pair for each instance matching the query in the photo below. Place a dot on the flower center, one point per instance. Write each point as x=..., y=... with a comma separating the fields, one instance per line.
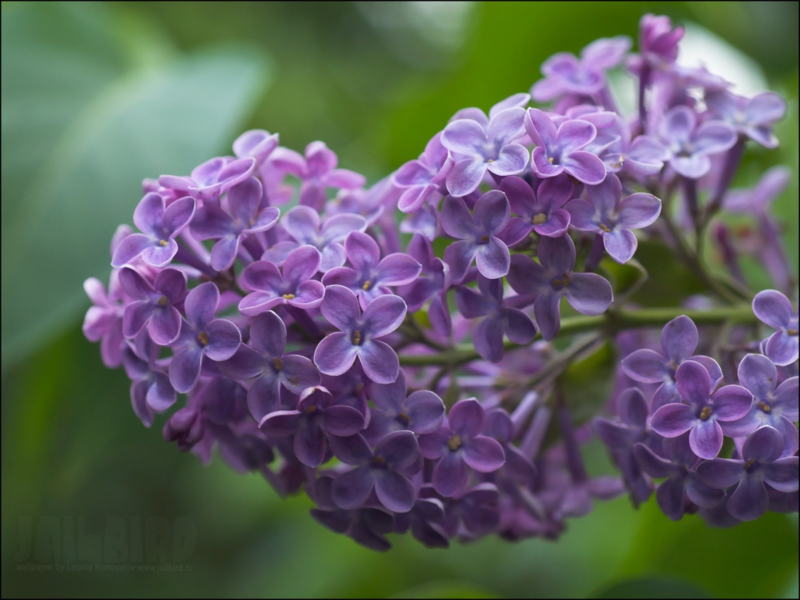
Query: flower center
x=378, y=462
x=288, y=296
x=311, y=409
x=454, y=443
x=791, y=331
x=367, y=285
x=560, y=282
x=163, y=243
x=276, y=362
x=357, y=338
x=765, y=407
x=539, y=219
x=403, y=419
x=163, y=301
x=605, y=227
x=706, y=413
x=749, y=464
x=484, y=239
x=203, y=337
x=550, y=160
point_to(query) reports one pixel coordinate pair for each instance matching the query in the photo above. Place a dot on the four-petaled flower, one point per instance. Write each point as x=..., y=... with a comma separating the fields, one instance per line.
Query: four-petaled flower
x=541, y=211
x=103, y=320
x=691, y=145
x=150, y=387
x=255, y=143
x=774, y=309
x=211, y=179
x=423, y=177
x=153, y=305
x=751, y=117
x=433, y=278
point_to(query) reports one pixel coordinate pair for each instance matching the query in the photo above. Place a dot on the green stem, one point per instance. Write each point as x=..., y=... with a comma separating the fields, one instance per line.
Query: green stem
x=610, y=322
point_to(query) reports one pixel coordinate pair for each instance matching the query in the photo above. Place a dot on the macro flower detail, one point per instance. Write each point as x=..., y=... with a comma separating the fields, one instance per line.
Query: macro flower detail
x=255, y=143
x=103, y=321
x=211, y=179
x=433, y=278
x=150, y=387
x=750, y=117
x=153, y=306
x=774, y=309
x=691, y=145
x=422, y=178
x=541, y=211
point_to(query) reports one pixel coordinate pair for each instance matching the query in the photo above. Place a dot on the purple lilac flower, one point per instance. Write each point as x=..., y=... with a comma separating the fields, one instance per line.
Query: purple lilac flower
x=500, y=320
x=255, y=143
x=211, y=179
x=150, y=387
x=541, y=211
x=302, y=223
x=777, y=408
x=553, y=278
x=682, y=481
x=103, y=320
x=702, y=411
x=201, y=335
x=370, y=275
x=425, y=520
x=294, y=287
x=760, y=464
x=358, y=335
x=566, y=74
x=559, y=150
x=160, y=224
x=380, y=470
x=245, y=218
x=750, y=117
x=774, y=309
x=758, y=199
x=517, y=467
x=459, y=445
x=613, y=218
x=678, y=340
x=479, y=148
x=421, y=412
x=422, y=178
x=691, y=145
x=316, y=415
x=317, y=171
x=472, y=513
x=643, y=156
x=264, y=363
x=477, y=235
x=433, y=278
x=153, y=306
x=657, y=38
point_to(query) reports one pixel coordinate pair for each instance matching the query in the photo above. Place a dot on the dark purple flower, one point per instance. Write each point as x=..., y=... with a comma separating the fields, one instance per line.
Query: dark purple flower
x=151, y=390
x=420, y=179
x=500, y=320
x=613, y=218
x=752, y=117
x=433, y=278
x=517, y=467
x=559, y=150
x=479, y=148
x=201, y=335
x=678, y=340
x=160, y=224
x=294, y=287
x=425, y=520
x=316, y=415
x=777, y=408
x=255, y=143
x=103, y=320
x=760, y=464
x=477, y=509
x=245, y=218
x=153, y=305
x=370, y=275
x=358, y=335
x=774, y=309
x=302, y=223
x=458, y=445
x=552, y=277
x=702, y=411
x=566, y=74
x=541, y=211
x=477, y=235
x=421, y=412
x=379, y=470
x=211, y=179
x=691, y=145
x=264, y=363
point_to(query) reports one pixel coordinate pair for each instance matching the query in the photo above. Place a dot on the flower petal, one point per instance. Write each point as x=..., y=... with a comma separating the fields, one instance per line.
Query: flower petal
x=589, y=293
x=673, y=420
x=378, y=359
x=706, y=438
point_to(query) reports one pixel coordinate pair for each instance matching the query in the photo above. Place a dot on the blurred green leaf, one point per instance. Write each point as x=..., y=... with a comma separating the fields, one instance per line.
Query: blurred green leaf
x=447, y=589
x=669, y=280
x=90, y=163
x=652, y=587
x=587, y=383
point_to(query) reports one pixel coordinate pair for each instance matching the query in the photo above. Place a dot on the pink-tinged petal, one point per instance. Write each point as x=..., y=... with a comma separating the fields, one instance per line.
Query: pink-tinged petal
x=782, y=474
x=692, y=167
x=492, y=211
x=149, y=214
x=362, y=251
x=224, y=339
x=520, y=329
x=302, y=223
x=224, y=252
x=96, y=291
x=301, y=265
x=720, y=473
x=344, y=421
x=201, y=304
x=184, y=370
x=694, y=383
x=512, y=160
x=332, y=256
x=646, y=366
x=487, y=339
x=465, y=176
x=548, y=317
x=459, y=256
x=679, y=339
x=352, y=489
x=731, y=402
x=335, y=354
x=484, y=454
x=395, y=492
x=557, y=254
x=620, y=244
x=638, y=211
x=589, y=293
x=506, y=125
x=378, y=359
x=585, y=167
x=450, y=475
x=129, y=249
x=542, y=166
x=582, y=215
x=467, y=418
x=749, y=500
x=706, y=438
x=236, y=172
x=320, y=159
x=673, y=420
x=764, y=445
x=264, y=397
x=540, y=128
x=574, y=135
x=383, y=315
x=493, y=259
x=398, y=269
x=308, y=295
x=676, y=126
x=340, y=307
x=259, y=302
x=464, y=136
x=605, y=53
x=268, y=335
x=773, y=308
x=337, y=227
x=157, y=255
x=556, y=225
x=165, y=326
x=713, y=137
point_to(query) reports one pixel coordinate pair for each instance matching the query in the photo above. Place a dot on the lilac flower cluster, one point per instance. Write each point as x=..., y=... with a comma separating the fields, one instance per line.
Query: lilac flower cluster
x=321, y=344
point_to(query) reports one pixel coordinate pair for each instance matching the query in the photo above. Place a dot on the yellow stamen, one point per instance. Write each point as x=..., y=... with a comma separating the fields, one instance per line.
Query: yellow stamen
x=203, y=337
x=163, y=301
x=765, y=407
x=749, y=463
x=162, y=243
x=705, y=413
x=311, y=409
x=277, y=364
x=454, y=443
x=605, y=228
x=791, y=331
x=550, y=160
x=288, y=296
x=367, y=285
x=356, y=338
x=539, y=219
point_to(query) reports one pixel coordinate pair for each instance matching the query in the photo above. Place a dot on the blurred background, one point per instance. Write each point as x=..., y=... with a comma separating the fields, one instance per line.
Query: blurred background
x=97, y=96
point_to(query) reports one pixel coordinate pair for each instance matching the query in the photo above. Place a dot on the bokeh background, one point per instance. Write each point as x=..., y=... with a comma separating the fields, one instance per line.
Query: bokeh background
x=96, y=97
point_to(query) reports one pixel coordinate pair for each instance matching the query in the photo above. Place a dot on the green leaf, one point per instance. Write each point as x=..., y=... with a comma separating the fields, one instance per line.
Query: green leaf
x=669, y=280
x=587, y=383
x=128, y=126
x=447, y=589
x=652, y=587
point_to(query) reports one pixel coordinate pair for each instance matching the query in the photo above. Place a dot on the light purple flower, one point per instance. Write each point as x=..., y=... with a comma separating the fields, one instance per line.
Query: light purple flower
x=658, y=38
x=380, y=470
x=103, y=320
x=751, y=117
x=702, y=411
x=758, y=199
x=458, y=445
x=302, y=223
x=500, y=320
x=151, y=390
x=433, y=278
x=691, y=145
x=559, y=150
x=643, y=156
x=553, y=278
x=678, y=341
x=477, y=149
x=422, y=178
x=369, y=276
x=613, y=218
x=211, y=179
x=160, y=224
x=477, y=233
x=257, y=144
x=777, y=408
x=264, y=363
x=201, y=335
x=153, y=305
x=760, y=464
x=294, y=287
x=566, y=74
x=774, y=309
x=245, y=218
x=316, y=415
x=359, y=335
x=541, y=211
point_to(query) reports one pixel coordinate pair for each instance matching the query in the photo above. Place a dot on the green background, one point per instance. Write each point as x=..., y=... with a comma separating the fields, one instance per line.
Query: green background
x=97, y=97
